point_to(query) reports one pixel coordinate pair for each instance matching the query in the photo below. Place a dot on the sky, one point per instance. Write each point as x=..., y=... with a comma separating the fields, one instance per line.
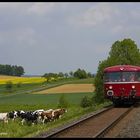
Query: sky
x=64, y=36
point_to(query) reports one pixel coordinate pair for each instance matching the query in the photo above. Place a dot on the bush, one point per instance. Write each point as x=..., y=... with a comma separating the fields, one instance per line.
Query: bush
x=86, y=102
x=19, y=84
x=63, y=103
x=9, y=85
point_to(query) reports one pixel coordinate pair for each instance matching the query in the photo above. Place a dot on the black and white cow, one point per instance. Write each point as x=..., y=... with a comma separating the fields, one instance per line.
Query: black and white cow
x=12, y=115
x=28, y=116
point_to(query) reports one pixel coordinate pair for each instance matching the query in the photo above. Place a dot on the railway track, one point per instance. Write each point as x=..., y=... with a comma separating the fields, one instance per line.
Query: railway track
x=103, y=131
x=95, y=125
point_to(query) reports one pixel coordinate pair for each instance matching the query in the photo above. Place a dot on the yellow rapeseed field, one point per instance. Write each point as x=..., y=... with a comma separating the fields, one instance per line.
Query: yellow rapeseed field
x=23, y=80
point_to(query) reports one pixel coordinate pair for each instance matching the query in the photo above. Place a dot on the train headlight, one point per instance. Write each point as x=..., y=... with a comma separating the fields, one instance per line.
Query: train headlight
x=110, y=93
x=110, y=87
x=133, y=87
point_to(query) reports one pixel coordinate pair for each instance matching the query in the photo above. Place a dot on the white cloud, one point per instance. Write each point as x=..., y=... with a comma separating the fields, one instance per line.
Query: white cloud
x=38, y=8
x=4, y=5
x=41, y=8
x=14, y=6
x=99, y=13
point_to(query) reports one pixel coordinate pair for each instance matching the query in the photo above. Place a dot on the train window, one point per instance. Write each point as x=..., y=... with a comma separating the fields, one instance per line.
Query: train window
x=121, y=77
x=128, y=76
x=112, y=77
x=138, y=76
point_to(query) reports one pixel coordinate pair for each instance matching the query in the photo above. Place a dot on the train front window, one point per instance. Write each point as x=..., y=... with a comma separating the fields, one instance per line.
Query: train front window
x=128, y=76
x=122, y=76
x=138, y=76
x=112, y=77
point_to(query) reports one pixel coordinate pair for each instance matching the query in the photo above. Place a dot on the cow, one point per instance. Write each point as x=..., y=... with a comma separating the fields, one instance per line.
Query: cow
x=12, y=115
x=46, y=115
x=39, y=111
x=57, y=113
x=32, y=117
x=4, y=117
x=29, y=116
x=19, y=112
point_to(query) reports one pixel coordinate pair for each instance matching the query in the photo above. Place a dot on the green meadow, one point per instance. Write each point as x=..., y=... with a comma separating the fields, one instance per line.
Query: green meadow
x=36, y=101
x=17, y=100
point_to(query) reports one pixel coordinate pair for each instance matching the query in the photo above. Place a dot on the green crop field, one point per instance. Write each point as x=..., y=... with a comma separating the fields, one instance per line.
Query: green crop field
x=25, y=101
x=16, y=100
x=38, y=101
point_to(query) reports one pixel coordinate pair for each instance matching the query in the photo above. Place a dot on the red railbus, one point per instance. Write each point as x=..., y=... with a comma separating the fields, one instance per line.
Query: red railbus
x=122, y=83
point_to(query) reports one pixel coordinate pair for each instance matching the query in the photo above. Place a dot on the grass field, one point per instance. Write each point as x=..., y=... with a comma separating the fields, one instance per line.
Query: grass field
x=30, y=101
x=35, y=101
x=39, y=85
x=38, y=101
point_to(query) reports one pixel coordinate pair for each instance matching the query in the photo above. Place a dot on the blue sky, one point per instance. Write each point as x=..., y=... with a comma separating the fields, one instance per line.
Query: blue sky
x=64, y=36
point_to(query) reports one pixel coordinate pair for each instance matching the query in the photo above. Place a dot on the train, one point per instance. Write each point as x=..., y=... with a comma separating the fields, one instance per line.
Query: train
x=122, y=84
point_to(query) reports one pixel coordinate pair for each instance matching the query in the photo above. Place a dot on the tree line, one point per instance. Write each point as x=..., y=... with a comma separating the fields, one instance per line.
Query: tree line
x=12, y=70
x=79, y=73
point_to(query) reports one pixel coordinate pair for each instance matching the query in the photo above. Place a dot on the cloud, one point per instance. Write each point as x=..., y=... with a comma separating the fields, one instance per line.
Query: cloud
x=41, y=8
x=95, y=15
x=18, y=37
x=11, y=7
x=48, y=32
x=30, y=8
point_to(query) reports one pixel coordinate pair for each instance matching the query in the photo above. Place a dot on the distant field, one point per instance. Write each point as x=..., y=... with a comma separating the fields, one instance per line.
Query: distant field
x=70, y=88
x=23, y=80
x=19, y=100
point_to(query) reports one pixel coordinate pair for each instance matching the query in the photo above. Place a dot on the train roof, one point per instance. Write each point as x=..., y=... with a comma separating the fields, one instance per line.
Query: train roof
x=122, y=68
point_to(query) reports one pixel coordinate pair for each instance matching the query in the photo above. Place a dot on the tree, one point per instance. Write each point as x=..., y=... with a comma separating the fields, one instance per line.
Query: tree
x=60, y=74
x=125, y=52
x=63, y=103
x=19, y=71
x=81, y=74
x=47, y=76
x=11, y=70
x=89, y=75
x=66, y=75
x=8, y=70
x=122, y=52
x=71, y=73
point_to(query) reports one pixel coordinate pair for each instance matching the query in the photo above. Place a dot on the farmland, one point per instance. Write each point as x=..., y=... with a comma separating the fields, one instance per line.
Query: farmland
x=70, y=88
x=40, y=101
x=33, y=100
x=23, y=80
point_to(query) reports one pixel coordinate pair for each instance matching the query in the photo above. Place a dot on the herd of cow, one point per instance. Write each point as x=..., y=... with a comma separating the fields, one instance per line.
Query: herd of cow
x=36, y=116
